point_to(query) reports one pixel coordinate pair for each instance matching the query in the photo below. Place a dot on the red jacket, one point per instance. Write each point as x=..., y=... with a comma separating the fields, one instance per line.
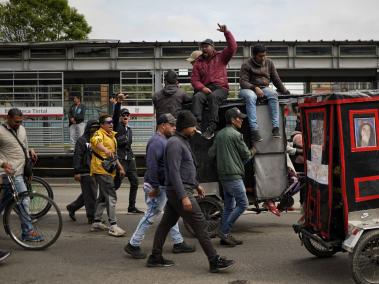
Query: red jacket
x=213, y=70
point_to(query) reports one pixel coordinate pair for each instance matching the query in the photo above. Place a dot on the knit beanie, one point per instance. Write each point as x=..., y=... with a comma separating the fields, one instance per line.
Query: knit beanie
x=171, y=77
x=185, y=119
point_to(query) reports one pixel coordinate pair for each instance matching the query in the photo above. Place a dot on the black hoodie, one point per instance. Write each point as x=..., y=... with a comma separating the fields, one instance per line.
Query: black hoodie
x=170, y=100
x=81, y=161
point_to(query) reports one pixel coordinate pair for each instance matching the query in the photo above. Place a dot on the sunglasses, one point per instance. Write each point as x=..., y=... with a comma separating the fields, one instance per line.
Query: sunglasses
x=125, y=115
x=108, y=122
x=17, y=121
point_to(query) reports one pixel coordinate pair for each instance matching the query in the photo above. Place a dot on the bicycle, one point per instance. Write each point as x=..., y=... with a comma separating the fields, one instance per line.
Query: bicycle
x=41, y=186
x=23, y=208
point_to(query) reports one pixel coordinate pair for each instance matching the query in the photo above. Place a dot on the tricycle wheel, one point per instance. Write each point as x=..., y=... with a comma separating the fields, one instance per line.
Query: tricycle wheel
x=212, y=209
x=317, y=249
x=365, y=258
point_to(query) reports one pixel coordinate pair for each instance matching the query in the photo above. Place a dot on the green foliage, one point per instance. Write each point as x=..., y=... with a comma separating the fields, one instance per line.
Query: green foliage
x=41, y=20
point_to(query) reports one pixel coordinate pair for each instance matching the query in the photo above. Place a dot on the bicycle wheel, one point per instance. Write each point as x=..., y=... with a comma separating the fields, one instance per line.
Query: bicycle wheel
x=48, y=227
x=365, y=258
x=39, y=185
x=212, y=209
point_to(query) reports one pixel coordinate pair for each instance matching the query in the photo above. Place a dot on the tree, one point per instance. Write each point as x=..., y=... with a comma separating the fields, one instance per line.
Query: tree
x=41, y=20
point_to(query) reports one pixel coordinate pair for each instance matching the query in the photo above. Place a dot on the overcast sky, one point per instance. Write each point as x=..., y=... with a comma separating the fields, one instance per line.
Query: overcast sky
x=251, y=20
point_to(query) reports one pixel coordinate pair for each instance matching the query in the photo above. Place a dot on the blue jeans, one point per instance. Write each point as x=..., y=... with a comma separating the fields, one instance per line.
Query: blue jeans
x=154, y=208
x=251, y=106
x=26, y=221
x=235, y=203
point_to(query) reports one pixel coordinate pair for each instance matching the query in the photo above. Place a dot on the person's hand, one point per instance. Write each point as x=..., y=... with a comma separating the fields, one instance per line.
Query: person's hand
x=7, y=168
x=120, y=97
x=33, y=155
x=222, y=28
x=265, y=81
x=77, y=177
x=259, y=92
x=153, y=193
x=122, y=172
x=108, y=153
x=187, y=205
x=200, y=191
x=206, y=90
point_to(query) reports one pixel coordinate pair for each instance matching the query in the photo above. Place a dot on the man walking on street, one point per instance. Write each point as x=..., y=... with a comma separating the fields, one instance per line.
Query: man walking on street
x=231, y=152
x=104, y=145
x=155, y=190
x=13, y=149
x=76, y=120
x=180, y=182
x=125, y=153
x=210, y=79
x=255, y=77
x=81, y=165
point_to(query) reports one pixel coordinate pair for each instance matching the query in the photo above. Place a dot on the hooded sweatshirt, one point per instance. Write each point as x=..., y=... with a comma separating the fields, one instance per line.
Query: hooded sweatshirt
x=81, y=161
x=170, y=100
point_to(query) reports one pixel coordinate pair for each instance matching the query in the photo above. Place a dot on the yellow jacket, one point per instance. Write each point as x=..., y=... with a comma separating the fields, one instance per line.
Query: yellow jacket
x=109, y=141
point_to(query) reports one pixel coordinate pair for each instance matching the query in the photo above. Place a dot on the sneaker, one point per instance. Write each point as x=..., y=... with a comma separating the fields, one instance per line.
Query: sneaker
x=183, y=248
x=255, y=136
x=226, y=240
x=116, y=231
x=270, y=205
x=220, y=264
x=99, y=226
x=134, y=252
x=158, y=261
x=208, y=133
x=31, y=236
x=135, y=210
x=4, y=255
x=236, y=241
x=275, y=132
x=71, y=213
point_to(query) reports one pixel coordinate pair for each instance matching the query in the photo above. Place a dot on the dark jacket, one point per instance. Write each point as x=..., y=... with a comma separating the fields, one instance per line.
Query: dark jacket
x=155, y=168
x=78, y=114
x=124, y=136
x=212, y=71
x=180, y=165
x=254, y=75
x=81, y=161
x=230, y=152
x=170, y=100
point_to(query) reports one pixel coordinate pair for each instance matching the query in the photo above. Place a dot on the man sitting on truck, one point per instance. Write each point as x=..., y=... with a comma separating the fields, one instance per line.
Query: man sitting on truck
x=255, y=77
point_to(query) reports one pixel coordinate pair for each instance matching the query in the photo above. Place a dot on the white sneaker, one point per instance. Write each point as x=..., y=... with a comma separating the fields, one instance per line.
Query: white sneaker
x=116, y=231
x=98, y=226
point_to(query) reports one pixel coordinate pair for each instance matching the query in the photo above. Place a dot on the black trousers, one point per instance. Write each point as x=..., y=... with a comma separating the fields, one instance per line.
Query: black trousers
x=195, y=218
x=214, y=100
x=131, y=173
x=88, y=196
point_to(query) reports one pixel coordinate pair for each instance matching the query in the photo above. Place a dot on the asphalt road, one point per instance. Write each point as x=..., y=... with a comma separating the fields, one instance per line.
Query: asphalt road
x=271, y=253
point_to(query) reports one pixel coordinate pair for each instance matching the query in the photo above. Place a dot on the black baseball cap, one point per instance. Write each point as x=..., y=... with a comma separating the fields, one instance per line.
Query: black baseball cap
x=207, y=41
x=233, y=113
x=125, y=111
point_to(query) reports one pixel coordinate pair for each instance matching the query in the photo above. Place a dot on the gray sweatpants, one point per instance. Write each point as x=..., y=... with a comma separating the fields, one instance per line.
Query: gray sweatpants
x=107, y=198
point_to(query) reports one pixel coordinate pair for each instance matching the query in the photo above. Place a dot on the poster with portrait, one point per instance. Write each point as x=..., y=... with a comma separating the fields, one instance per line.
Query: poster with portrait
x=317, y=131
x=365, y=132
